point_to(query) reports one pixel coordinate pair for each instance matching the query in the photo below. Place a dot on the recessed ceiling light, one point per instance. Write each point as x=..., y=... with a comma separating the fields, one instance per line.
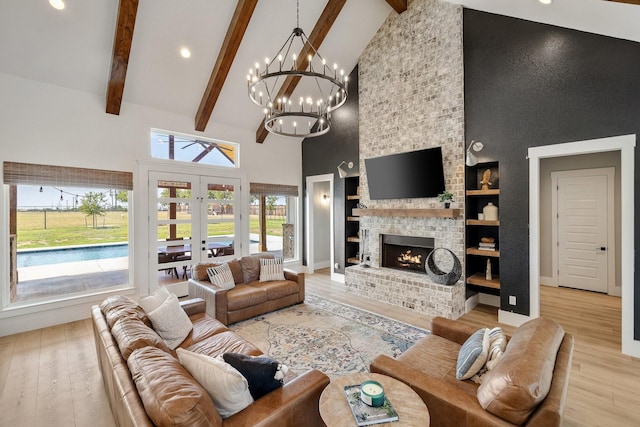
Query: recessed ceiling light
x=57, y=4
x=545, y=1
x=186, y=53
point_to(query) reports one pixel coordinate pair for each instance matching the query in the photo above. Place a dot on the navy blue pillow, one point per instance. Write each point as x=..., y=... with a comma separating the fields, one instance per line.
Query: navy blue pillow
x=259, y=371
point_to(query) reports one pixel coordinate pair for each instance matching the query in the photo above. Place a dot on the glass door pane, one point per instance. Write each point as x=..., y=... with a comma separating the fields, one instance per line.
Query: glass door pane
x=174, y=219
x=222, y=217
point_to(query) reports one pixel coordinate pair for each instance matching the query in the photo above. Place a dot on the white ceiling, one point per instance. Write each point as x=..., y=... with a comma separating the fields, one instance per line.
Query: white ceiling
x=73, y=47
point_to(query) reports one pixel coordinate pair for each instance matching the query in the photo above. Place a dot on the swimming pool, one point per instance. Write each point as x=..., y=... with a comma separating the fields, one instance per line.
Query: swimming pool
x=30, y=258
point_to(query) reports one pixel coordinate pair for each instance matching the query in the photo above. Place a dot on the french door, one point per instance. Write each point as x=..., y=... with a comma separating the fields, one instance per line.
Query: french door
x=192, y=218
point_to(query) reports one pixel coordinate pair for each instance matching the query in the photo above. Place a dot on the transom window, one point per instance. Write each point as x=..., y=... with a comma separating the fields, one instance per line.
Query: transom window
x=186, y=148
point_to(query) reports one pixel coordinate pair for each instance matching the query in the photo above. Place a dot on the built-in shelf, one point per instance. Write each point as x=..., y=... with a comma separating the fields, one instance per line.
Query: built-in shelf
x=478, y=279
x=410, y=213
x=482, y=222
x=352, y=221
x=482, y=252
x=493, y=192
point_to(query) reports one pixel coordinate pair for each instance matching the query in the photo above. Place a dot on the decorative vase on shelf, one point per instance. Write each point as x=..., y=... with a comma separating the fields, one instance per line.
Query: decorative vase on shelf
x=487, y=274
x=490, y=212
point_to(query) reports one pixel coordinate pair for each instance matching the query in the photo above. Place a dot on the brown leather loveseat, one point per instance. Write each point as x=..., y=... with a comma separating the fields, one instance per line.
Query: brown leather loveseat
x=249, y=297
x=146, y=384
x=527, y=386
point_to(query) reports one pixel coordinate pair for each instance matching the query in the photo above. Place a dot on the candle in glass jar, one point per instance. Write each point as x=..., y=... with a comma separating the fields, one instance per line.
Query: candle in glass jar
x=372, y=393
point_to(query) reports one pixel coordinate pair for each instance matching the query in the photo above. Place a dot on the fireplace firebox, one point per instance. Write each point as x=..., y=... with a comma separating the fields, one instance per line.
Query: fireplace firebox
x=406, y=253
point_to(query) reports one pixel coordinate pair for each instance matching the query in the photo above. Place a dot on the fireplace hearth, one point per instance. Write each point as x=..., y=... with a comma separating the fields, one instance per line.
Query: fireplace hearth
x=406, y=253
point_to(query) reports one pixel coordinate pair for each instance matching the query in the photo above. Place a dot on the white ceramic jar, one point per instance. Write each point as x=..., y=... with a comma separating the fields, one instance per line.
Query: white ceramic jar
x=490, y=212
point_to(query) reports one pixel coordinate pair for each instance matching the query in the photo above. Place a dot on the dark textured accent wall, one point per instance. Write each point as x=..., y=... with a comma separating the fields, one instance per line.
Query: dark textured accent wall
x=530, y=84
x=322, y=155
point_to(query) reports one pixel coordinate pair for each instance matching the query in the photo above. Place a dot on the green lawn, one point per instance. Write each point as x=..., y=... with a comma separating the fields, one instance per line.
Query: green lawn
x=66, y=228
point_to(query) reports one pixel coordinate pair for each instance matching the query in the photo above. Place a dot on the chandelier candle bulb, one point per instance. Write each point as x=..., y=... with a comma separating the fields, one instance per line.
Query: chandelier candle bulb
x=372, y=393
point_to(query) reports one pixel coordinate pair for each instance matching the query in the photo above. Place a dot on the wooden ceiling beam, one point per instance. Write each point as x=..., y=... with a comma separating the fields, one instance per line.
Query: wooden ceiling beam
x=398, y=5
x=317, y=36
x=626, y=1
x=230, y=45
x=127, y=11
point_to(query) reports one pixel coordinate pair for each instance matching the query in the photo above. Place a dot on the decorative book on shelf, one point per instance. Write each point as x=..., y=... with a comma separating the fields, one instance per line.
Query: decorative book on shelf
x=487, y=246
x=366, y=415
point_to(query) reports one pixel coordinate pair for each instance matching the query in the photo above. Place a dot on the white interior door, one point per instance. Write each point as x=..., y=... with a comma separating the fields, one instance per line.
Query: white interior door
x=584, y=230
x=192, y=218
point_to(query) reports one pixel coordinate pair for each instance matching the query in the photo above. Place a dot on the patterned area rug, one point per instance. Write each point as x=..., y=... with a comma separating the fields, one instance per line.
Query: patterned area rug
x=335, y=338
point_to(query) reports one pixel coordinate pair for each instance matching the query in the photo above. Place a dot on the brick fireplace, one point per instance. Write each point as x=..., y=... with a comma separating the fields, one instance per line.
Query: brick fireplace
x=420, y=107
x=396, y=274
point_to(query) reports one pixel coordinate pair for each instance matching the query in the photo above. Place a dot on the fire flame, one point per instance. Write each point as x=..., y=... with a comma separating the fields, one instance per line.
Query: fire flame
x=407, y=258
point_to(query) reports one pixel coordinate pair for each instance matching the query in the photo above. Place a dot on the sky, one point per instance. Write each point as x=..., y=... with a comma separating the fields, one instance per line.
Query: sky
x=29, y=196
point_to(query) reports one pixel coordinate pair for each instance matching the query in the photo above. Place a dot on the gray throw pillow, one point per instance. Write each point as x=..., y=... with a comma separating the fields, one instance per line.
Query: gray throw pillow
x=473, y=354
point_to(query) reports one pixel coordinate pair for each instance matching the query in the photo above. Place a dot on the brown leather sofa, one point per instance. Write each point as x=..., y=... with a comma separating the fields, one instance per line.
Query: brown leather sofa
x=142, y=376
x=249, y=297
x=538, y=356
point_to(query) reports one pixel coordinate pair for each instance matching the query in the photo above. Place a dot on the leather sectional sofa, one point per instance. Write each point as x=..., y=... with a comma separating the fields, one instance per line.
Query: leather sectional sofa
x=537, y=358
x=144, y=380
x=249, y=297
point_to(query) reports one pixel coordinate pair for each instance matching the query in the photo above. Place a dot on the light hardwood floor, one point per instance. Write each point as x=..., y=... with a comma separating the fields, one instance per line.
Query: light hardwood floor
x=50, y=376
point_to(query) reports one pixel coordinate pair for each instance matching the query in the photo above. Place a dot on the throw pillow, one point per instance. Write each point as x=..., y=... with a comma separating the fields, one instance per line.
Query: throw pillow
x=155, y=300
x=497, y=345
x=171, y=322
x=227, y=387
x=221, y=276
x=271, y=269
x=473, y=354
x=262, y=373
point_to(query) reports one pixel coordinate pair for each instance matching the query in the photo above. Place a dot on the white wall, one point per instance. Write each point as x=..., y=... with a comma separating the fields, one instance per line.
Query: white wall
x=52, y=125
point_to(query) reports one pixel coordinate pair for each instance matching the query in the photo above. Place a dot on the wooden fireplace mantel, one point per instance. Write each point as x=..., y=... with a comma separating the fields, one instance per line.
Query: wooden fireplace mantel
x=409, y=213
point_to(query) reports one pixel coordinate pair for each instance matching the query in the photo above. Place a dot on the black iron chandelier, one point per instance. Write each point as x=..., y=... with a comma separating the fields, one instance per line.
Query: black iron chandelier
x=305, y=116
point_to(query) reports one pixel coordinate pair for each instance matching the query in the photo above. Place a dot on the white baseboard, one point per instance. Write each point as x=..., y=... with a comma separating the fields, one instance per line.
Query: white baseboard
x=488, y=299
x=548, y=281
x=337, y=277
x=321, y=264
x=510, y=318
x=471, y=302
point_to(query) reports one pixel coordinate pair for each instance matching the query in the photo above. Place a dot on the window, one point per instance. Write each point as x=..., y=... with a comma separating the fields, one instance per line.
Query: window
x=193, y=149
x=273, y=220
x=69, y=233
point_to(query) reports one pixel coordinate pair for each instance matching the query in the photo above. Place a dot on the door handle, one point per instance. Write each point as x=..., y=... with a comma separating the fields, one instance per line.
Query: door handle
x=601, y=248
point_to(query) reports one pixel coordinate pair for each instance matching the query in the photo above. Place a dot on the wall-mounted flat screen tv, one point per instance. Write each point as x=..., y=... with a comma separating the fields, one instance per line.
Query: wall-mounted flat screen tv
x=406, y=175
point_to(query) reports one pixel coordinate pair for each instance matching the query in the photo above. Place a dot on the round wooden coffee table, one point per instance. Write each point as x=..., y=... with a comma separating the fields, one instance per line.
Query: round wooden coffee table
x=335, y=411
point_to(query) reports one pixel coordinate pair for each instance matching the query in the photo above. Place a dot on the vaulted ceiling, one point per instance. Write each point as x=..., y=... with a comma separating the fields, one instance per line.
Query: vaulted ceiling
x=128, y=51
